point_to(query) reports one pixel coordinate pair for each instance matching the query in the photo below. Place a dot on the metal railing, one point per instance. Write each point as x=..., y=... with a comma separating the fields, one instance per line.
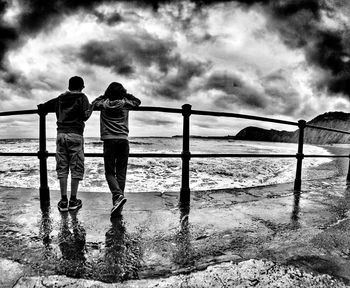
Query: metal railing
x=185, y=155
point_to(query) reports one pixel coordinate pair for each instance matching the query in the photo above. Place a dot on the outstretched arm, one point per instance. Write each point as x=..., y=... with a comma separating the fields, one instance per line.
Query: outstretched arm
x=87, y=108
x=49, y=106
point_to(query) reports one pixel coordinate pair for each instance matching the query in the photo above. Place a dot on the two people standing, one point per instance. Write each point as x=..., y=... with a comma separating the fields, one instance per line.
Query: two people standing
x=72, y=110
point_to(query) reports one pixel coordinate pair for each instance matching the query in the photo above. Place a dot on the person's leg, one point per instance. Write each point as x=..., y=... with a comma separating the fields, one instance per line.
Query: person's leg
x=74, y=188
x=122, y=154
x=76, y=152
x=74, y=203
x=62, y=169
x=122, y=163
x=110, y=168
x=63, y=187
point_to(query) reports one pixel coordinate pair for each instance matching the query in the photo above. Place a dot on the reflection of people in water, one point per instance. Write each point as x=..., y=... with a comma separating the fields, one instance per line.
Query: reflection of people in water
x=295, y=212
x=71, y=240
x=296, y=208
x=183, y=255
x=46, y=229
x=122, y=254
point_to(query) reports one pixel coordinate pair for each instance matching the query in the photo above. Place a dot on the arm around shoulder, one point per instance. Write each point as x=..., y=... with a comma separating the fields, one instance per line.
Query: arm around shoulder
x=131, y=101
x=98, y=102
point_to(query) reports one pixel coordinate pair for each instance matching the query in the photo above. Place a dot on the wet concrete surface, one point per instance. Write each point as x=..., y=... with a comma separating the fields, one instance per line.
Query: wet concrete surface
x=155, y=237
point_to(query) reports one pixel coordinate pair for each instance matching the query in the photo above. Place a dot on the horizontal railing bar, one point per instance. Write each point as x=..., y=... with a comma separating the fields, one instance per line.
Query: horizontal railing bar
x=157, y=109
x=223, y=155
x=235, y=115
x=328, y=129
x=20, y=112
x=143, y=108
x=139, y=155
x=176, y=110
x=178, y=155
x=18, y=154
x=134, y=155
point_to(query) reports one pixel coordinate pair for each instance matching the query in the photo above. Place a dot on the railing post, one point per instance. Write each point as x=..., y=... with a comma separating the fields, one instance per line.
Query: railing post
x=300, y=155
x=185, y=155
x=348, y=177
x=44, y=190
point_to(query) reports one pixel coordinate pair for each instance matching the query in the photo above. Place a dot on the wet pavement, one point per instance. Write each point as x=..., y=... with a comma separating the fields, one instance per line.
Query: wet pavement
x=155, y=237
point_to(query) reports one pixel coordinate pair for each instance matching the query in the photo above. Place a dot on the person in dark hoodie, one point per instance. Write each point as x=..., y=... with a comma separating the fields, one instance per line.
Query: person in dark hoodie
x=114, y=128
x=72, y=110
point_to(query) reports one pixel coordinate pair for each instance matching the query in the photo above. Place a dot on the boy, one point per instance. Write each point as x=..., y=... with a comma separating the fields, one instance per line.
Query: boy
x=72, y=110
x=114, y=128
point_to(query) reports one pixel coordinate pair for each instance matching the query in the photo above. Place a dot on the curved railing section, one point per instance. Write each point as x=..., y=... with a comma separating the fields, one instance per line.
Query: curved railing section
x=186, y=111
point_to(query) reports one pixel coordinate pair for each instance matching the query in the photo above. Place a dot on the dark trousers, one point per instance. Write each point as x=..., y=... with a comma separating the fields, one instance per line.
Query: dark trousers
x=116, y=154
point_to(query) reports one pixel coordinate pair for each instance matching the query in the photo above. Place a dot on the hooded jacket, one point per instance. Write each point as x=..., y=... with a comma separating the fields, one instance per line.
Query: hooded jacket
x=72, y=110
x=114, y=117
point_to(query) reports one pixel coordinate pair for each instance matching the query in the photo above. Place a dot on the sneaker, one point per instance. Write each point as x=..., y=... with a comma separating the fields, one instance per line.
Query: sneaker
x=118, y=206
x=75, y=204
x=63, y=205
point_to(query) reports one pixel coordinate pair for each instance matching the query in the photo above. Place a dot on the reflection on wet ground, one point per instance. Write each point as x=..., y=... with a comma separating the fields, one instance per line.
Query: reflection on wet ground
x=157, y=237
x=118, y=259
x=183, y=253
x=71, y=241
x=122, y=256
x=296, y=208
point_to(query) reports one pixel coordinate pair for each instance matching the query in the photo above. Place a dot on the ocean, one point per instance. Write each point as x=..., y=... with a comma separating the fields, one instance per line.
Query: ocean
x=164, y=174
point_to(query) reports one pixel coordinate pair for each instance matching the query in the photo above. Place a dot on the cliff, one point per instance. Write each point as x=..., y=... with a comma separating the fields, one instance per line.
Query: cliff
x=260, y=134
x=335, y=120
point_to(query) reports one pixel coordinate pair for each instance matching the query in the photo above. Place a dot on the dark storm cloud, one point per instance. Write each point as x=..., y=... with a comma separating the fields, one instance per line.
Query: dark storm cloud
x=274, y=94
x=16, y=80
x=299, y=24
x=107, y=54
x=176, y=87
x=123, y=53
x=235, y=91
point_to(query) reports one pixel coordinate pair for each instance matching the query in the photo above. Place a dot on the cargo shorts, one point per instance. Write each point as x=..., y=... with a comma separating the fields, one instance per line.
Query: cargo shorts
x=70, y=155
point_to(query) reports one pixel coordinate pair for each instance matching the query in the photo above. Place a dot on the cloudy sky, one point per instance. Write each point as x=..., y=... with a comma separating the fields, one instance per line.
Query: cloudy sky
x=285, y=59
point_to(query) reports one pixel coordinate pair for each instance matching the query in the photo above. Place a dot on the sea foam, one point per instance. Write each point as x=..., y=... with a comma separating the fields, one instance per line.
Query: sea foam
x=164, y=174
